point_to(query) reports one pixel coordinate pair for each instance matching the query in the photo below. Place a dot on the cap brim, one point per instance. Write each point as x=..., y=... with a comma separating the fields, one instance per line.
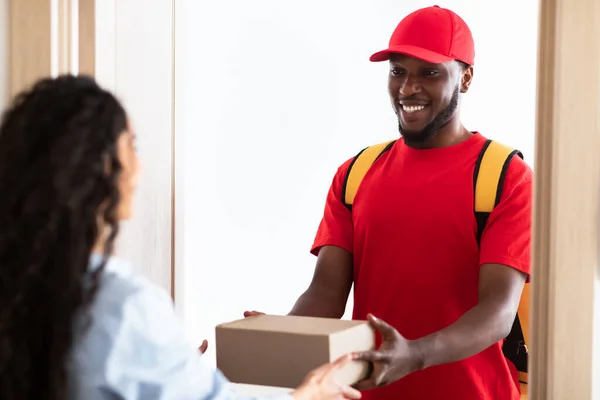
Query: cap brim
x=412, y=51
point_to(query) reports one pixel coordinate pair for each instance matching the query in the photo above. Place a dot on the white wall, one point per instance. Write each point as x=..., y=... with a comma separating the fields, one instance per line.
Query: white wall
x=134, y=58
x=271, y=97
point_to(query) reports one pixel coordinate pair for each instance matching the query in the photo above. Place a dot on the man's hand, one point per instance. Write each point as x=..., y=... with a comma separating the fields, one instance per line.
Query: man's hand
x=203, y=346
x=252, y=313
x=395, y=358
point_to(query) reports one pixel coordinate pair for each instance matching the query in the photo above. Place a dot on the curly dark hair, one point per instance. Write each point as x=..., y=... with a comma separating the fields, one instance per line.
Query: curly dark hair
x=59, y=175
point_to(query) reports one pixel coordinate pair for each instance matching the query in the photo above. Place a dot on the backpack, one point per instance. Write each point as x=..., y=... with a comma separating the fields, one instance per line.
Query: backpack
x=488, y=178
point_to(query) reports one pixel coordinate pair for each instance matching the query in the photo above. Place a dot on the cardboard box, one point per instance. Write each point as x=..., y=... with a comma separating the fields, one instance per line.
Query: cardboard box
x=274, y=350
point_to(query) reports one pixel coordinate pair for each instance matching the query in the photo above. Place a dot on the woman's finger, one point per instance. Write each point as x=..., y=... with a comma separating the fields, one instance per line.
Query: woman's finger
x=336, y=365
x=350, y=393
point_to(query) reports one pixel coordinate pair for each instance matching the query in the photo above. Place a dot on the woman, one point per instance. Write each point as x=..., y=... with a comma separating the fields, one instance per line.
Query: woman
x=76, y=322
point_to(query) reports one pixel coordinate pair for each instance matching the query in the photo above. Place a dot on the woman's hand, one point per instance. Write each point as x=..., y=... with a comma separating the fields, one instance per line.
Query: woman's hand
x=320, y=384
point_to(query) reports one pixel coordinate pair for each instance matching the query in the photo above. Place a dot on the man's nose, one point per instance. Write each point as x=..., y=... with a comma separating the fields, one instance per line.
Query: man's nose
x=410, y=86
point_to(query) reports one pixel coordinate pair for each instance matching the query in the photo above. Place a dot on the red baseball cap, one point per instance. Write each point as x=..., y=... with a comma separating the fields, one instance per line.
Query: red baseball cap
x=433, y=34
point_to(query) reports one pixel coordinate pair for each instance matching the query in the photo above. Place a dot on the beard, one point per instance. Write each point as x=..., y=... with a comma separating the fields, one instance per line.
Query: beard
x=419, y=138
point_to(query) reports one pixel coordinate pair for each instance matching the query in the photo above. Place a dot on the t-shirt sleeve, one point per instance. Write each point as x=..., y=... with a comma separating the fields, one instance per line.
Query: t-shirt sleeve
x=506, y=238
x=335, y=228
x=151, y=358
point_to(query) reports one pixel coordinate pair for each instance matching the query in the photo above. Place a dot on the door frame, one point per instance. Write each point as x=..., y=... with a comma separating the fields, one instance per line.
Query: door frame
x=565, y=285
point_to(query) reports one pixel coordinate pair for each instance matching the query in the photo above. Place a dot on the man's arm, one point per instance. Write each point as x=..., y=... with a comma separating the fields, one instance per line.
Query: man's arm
x=328, y=292
x=490, y=321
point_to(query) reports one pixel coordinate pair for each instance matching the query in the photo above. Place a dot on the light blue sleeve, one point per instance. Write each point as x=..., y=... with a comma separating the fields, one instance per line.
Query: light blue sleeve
x=152, y=359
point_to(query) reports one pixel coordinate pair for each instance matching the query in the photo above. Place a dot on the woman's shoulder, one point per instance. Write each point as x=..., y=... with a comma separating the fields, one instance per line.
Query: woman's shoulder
x=131, y=326
x=119, y=280
x=125, y=295
x=128, y=312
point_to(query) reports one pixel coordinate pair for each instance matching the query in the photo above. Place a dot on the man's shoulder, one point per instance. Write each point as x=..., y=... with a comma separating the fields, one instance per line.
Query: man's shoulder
x=517, y=165
x=518, y=168
x=516, y=175
x=375, y=148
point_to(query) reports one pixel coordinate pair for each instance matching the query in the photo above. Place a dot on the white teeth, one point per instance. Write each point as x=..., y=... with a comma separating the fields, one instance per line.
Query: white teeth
x=410, y=109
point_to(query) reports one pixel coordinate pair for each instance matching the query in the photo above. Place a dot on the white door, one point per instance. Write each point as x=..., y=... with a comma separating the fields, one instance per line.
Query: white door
x=271, y=97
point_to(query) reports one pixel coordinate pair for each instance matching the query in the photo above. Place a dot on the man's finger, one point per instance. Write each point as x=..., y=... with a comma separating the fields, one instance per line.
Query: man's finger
x=371, y=356
x=252, y=313
x=383, y=327
x=365, y=384
x=203, y=346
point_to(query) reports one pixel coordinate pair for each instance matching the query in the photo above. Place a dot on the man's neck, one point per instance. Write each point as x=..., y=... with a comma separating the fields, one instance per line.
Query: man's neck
x=450, y=134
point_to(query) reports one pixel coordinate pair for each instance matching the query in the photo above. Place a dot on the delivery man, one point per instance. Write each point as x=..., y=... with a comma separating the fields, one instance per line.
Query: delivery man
x=442, y=298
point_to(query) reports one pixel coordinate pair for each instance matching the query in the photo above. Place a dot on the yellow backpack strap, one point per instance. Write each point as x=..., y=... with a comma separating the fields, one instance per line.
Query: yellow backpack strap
x=358, y=169
x=488, y=179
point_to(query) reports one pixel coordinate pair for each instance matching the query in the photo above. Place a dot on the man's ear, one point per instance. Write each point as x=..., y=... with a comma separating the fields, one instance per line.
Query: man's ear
x=467, y=78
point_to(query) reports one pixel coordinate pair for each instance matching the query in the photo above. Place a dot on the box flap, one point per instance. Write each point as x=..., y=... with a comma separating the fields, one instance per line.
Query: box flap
x=292, y=324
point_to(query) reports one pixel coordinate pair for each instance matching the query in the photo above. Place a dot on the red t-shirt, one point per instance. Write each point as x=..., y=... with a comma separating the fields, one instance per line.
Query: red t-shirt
x=412, y=233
